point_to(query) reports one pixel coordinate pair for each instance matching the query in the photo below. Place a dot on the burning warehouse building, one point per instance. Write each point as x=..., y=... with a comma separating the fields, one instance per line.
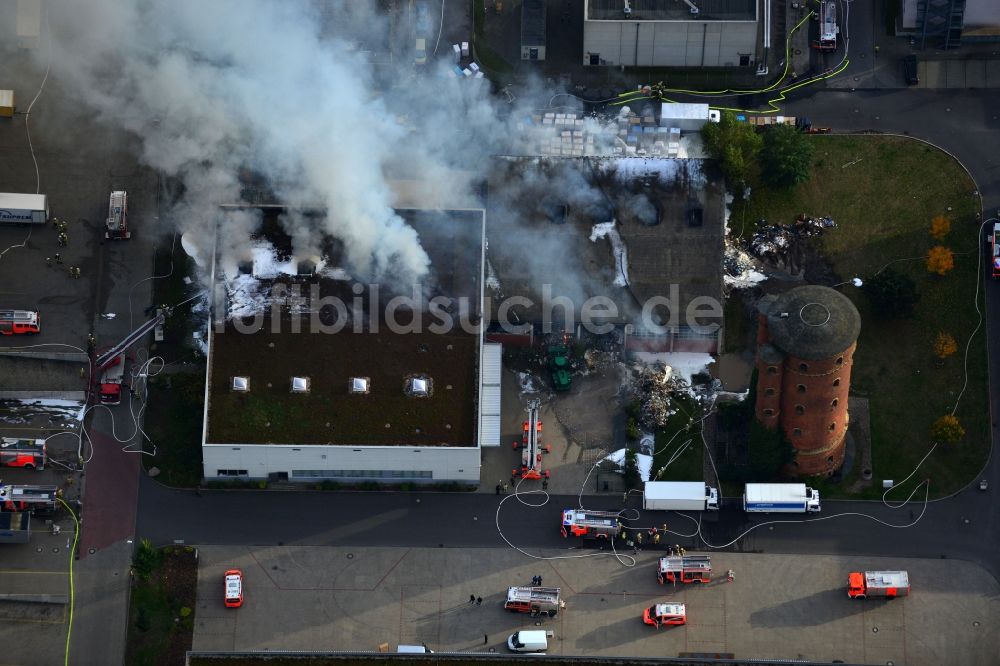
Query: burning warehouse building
x=314, y=376
x=640, y=234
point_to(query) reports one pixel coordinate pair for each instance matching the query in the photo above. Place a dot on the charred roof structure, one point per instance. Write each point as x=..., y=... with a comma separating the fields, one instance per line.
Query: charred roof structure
x=629, y=229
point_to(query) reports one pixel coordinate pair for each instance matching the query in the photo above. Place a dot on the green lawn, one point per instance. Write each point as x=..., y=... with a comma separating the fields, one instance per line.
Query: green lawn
x=161, y=612
x=688, y=464
x=883, y=192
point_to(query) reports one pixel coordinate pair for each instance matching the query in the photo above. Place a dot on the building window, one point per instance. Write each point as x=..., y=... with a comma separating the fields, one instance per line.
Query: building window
x=768, y=412
x=800, y=409
x=833, y=426
x=803, y=367
x=769, y=391
x=836, y=401
x=836, y=382
x=231, y=472
x=801, y=388
x=797, y=432
x=595, y=58
x=772, y=369
x=744, y=60
x=392, y=474
x=840, y=360
x=829, y=459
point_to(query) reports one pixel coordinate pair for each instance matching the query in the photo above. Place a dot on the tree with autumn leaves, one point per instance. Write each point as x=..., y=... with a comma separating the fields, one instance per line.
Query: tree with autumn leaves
x=945, y=345
x=947, y=430
x=940, y=260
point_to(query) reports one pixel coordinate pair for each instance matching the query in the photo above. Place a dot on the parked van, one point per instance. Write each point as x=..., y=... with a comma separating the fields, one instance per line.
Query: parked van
x=528, y=641
x=420, y=52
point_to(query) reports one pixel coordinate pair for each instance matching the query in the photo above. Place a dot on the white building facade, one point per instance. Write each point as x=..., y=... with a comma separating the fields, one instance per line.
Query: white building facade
x=723, y=33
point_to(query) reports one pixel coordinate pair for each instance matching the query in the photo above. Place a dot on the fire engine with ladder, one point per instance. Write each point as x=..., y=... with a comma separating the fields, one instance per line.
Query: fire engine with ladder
x=41, y=499
x=531, y=447
x=534, y=600
x=684, y=569
x=116, y=226
x=24, y=453
x=110, y=366
x=591, y=524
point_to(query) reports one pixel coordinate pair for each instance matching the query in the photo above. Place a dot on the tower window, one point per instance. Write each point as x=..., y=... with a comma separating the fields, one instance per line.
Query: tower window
x=769, y=391
x=797, y=432
x=801, y=388
x=836, y=401
x=768, y=412
x=800, y=410
x=772, y=370
x=803, y=367
x=840, y=360
x=833, y=426
x=836, y=382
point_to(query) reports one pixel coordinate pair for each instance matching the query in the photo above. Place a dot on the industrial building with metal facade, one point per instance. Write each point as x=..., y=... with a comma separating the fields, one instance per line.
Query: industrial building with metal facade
x=686, y=33
x=290, y=399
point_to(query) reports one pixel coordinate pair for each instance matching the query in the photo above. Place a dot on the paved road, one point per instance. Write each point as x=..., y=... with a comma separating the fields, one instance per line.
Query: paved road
x=415, y=519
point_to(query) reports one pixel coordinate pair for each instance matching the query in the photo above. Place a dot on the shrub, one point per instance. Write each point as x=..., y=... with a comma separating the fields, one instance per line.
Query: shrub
x=735, y=145
x=891, y=293
x=632, y=477
x=786, y=156
x=940, y=226
x=145, y=559
x=632, y=430
x=940, y=260
x=944, y=346
x=185, y=611
x=947, y=430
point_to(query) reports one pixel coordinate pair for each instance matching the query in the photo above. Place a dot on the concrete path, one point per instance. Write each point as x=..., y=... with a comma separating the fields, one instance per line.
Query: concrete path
x=779, y=606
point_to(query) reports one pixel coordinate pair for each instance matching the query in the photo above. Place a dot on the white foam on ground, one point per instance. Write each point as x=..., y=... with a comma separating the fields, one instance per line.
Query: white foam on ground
x=609, y=230
x=745, y=279
x=644, y=462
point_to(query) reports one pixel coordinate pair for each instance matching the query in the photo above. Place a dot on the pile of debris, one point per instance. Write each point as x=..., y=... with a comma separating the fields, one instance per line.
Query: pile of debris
x=773, y=242
x=651, y=387
x=739, y=268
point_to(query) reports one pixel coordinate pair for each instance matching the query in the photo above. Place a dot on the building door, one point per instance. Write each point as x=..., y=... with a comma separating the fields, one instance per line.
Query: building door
x=595, y=59
x=532, y=54
x=744, y=60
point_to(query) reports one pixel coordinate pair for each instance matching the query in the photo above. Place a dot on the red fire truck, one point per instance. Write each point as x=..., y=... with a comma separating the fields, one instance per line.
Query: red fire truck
x=25, y=453
x=591, y=524
x=888, y=584
x=110, y=386
x=828, y=29
x=531, y=447
x=534, y=600
x=19, y=322
x=685, y=569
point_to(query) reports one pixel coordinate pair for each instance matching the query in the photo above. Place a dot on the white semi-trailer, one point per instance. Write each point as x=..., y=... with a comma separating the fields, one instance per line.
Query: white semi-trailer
x=23, y=208
x=780, y=498
x=679, y=496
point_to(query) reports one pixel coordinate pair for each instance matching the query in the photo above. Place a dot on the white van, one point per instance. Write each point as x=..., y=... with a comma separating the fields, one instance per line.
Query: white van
x=529, y=641
x=420, y=52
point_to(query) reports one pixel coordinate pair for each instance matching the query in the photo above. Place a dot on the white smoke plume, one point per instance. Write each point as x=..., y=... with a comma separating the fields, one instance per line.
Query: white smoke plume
x=283, y=88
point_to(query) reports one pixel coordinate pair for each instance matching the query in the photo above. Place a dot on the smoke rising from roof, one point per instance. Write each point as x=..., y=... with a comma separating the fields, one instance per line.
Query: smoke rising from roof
x=286, y=89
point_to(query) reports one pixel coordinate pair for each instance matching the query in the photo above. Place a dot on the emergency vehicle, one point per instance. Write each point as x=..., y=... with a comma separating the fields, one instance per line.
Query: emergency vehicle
x=828, y=29
x=110, y=387
x=661, y=614
x=19, y=322
x=888, y=584
x=591, y=524
x=116, y=226
x=25, y=453
x=534, y=600
x=28, y=498
x=685, y=569
x=234, y=588
x=995, y=251
x=531, y=447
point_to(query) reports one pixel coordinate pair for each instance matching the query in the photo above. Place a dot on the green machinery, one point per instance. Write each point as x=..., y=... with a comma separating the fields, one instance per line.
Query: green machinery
x=559, y=367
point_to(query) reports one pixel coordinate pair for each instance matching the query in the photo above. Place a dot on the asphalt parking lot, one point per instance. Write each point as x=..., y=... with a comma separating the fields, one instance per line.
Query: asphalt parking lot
x=778, y=606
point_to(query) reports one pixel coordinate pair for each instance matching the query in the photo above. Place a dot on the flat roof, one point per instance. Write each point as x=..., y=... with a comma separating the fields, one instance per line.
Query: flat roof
x=671, y=10
x=328, y=413
x=539, y=232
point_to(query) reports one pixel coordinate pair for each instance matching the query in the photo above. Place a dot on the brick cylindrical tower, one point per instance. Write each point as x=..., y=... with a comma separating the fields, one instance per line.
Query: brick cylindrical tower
x=804, y=372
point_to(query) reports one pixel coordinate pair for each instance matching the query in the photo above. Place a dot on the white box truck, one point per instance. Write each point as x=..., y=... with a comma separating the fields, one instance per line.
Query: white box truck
x=23, y=208
x=679, y=496
x=780, y=498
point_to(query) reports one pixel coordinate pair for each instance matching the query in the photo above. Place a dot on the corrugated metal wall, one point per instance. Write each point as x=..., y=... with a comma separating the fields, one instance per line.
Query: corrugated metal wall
x=669, y=43
x=490, y=394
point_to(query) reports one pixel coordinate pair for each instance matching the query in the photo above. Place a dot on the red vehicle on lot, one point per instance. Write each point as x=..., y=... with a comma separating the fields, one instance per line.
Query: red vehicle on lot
x=661, y=614
x=25, y=453
x=995, y=251
x=19, y=322
x=234, y=588
x=686, y=569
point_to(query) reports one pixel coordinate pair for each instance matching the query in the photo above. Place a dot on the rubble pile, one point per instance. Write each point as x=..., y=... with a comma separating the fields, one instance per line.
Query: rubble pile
x=651, y=386
x=772, y=242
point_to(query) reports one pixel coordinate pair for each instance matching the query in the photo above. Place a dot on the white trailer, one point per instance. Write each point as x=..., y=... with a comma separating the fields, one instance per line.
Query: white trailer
x=679, y=496
x=23, y=208
x=780, y=498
